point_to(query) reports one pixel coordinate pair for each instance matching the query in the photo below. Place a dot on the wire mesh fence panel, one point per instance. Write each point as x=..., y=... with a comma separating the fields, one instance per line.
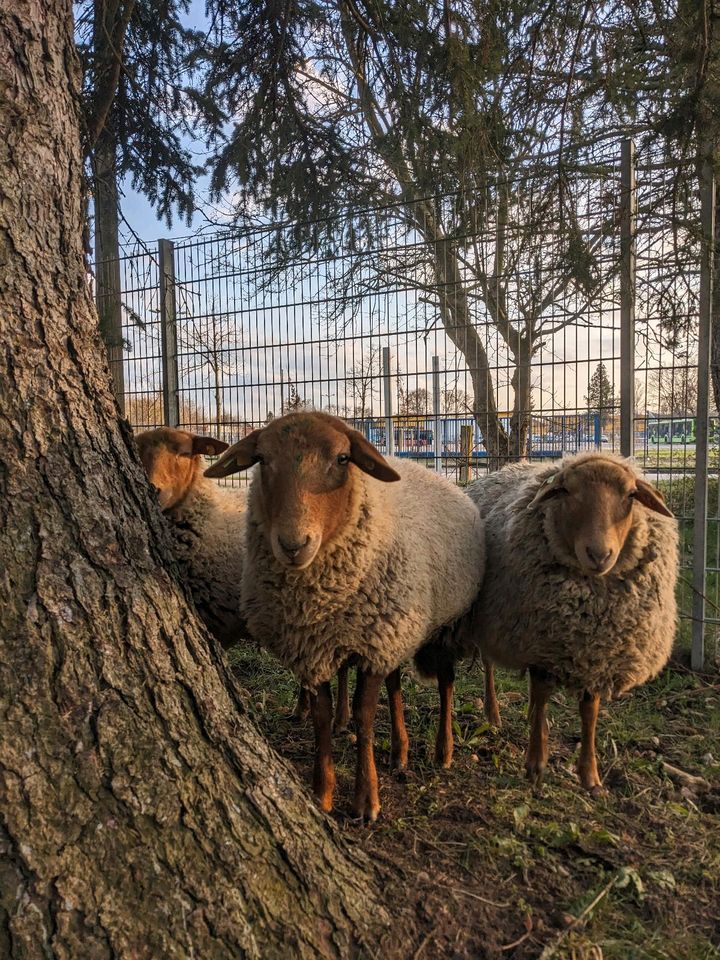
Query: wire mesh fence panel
x=462, y=331
x=140, y=300
x=666, y=385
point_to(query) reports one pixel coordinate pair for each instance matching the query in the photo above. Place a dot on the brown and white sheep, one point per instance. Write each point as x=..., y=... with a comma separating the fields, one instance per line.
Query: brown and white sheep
x=344, y=563
x=582, y=562
x=209, y=526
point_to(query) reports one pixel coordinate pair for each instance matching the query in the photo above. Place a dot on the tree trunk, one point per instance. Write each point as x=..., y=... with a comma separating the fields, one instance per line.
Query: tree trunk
x=457, y=321
x=521, y=384
x=110, y=22
x=141, y=815
x=107, y=258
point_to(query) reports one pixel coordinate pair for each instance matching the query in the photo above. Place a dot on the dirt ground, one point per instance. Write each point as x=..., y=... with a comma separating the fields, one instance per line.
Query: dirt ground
x=492, y=869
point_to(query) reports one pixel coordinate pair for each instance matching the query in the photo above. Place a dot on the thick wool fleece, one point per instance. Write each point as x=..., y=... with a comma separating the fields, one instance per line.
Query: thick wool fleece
x=209, y=533
x=408, y=562
x=537, y=608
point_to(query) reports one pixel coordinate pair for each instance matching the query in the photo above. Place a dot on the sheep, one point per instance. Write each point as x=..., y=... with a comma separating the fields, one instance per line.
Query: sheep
x=209, y=535
x=346, y=564
x=582, y=562
x=208, y=524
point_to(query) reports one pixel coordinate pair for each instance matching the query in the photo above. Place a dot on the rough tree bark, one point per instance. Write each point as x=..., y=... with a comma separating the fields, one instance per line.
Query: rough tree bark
x=141, y=815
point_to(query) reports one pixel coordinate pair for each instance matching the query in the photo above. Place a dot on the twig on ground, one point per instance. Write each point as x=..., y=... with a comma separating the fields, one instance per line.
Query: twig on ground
x=696, y=784
x=523, y=938
x=552, y=948
x=475, y=896
x=693, y=692
x=422, y=946
x=516, y=943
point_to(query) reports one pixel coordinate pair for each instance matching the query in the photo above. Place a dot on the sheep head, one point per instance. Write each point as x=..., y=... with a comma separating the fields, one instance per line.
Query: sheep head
x=591, y=504
x=172, y=461
x=308, y=462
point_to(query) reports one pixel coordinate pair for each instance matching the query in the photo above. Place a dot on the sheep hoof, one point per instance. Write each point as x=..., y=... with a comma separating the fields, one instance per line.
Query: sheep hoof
x=444, y=754
x=590, y=781
x=596, y=790
x=399, y=768
x=366, y=808
x=369, y=816
x=299, y=716
x=341, y=726
x=535, y=774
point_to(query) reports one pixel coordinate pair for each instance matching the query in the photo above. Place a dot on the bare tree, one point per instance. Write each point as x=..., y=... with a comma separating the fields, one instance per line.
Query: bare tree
x=387, y=120
x=415, y=402
x=212, y=347
x=145, y=410
x=456, y=401
x=363, y=380
x=673, y=391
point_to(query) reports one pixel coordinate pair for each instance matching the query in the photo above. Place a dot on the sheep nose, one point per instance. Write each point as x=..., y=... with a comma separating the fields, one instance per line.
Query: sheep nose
x=292, y=549
x=598, y=555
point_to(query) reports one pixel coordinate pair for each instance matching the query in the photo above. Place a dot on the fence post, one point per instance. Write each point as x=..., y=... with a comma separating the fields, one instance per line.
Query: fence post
x=628, y=214
x=702, y=432
x=168, y=333
x=437, y=426
x=389, y=427
x=466, y=448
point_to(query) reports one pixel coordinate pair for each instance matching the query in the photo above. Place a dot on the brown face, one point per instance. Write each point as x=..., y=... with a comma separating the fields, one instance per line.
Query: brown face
x=592, y=505
x=307, y=462
x=172, y=460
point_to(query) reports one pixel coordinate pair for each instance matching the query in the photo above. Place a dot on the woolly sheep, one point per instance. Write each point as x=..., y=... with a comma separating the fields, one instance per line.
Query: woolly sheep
x=580, y=587
x=209, y=525
x=346, y=565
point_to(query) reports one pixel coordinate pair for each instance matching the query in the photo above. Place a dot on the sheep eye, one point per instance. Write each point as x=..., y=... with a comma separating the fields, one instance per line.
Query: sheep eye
x=343, y=458
x=258, y=459
x=632, y=495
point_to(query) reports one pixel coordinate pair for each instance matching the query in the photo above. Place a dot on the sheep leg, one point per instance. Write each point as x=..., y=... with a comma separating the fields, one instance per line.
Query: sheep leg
x=324, y=771
x=444, y=738
x=366, y=804
x=342, y=707
x=492, y=708
x=302, y=706
x=541, y=688
x=398, y=734
x=587, y=763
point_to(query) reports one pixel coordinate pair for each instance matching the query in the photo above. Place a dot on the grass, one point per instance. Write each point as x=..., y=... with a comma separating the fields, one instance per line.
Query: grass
x=666, y=458
x=493, y=869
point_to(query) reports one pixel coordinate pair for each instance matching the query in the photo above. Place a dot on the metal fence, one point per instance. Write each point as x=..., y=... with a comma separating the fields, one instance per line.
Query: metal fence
x=541, y=315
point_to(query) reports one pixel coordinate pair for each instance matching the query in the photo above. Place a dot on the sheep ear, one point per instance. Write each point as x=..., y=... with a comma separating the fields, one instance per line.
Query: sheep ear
x=239, y=457
x=207, y=446
x=365, y=456
x=651, y=498
x=550, y=488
